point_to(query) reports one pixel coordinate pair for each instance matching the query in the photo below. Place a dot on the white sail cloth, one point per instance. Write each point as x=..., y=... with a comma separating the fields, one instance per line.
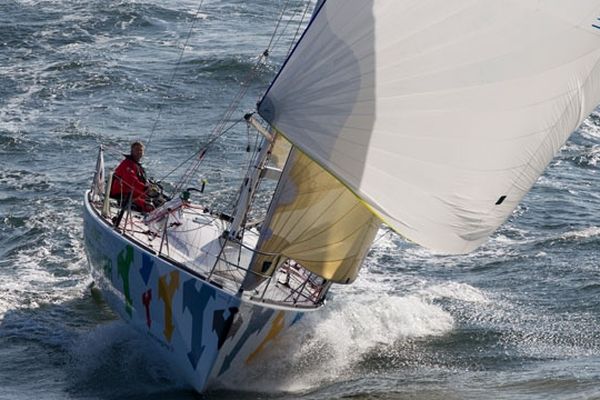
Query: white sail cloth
x=439, y=114
x=98, y=184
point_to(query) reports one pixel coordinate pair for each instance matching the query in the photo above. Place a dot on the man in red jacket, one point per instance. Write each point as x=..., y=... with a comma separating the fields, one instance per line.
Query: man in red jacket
x=130, y=177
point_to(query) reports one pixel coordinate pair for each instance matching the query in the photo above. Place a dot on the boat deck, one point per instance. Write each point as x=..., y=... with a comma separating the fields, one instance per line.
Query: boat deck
x=192, y=238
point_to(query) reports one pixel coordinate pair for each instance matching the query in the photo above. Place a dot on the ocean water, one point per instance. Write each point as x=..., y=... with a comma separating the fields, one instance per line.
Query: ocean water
x=517, y=319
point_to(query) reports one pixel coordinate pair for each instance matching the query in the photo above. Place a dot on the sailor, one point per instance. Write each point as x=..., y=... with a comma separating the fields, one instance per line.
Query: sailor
x=129, y=179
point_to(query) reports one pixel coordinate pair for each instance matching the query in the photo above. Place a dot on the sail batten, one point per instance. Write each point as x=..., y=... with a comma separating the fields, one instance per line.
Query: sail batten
x=430, y=112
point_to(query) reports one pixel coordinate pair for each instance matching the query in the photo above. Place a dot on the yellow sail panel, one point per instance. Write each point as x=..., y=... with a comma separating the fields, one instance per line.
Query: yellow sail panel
x=317, y=222
x=280, y=151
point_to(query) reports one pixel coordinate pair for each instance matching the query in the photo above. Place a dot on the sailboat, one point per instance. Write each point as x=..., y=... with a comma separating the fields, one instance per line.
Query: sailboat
x=433, y=118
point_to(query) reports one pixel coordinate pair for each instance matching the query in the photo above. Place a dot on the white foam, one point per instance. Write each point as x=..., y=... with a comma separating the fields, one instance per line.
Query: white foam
x=12, y=115
x=591, y=157
x=374, y=315
x=329, y=344
x=589, y=129
x=32, y=283
x=589, y=232
x=454, y=291
x=549, y=182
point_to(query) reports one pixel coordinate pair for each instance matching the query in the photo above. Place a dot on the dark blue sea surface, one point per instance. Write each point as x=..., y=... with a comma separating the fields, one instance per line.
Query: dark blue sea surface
x=517, y=319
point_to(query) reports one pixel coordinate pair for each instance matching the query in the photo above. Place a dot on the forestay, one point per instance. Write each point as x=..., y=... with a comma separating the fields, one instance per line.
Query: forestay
x=440, y=115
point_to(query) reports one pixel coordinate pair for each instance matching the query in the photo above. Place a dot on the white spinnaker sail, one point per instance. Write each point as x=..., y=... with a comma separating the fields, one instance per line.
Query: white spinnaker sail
x=439, y=114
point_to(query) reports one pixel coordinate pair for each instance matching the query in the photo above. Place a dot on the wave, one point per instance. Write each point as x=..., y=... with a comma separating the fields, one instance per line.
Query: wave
x=329, y=346
x=590, y=127
x=44, y=249
x=588, y=157
x=12, y=144
x=587, y=237
x=454, y=291
x=104, y=361
x=541, y=337
x=360, y=325
x=585, y=233
x=20, y=180
x=227, y=68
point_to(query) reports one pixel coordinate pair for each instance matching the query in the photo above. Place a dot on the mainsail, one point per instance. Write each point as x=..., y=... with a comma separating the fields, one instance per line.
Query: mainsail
x=440, y=115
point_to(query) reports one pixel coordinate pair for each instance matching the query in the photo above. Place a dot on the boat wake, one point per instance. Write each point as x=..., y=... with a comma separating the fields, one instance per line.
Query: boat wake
x=339, y=343
x=110, y=357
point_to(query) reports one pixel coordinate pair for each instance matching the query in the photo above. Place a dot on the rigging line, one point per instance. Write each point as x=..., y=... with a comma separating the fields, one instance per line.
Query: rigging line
x=233, y=106
x=298, y=29
x=110, y=149
x=169, y=86
x=251, y=162
x=235, y=102
x=388, y=232
x=299, y=25
x=253, y=159
x=202, y=149
x=230, y=110
x=284, y=30
x=278, y=23
x=250, y=76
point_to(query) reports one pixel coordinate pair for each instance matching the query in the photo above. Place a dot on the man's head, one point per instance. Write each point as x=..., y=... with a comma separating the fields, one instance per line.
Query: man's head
x=137, y=151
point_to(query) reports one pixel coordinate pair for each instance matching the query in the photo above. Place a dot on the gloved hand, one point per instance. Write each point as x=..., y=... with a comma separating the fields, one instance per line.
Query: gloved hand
x=153, y=190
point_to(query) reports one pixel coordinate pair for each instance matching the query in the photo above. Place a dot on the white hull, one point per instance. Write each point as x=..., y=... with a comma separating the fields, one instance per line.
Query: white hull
x=203, y=327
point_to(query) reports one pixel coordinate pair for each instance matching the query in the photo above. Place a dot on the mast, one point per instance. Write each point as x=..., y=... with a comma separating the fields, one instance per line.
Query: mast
x=251, y=181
